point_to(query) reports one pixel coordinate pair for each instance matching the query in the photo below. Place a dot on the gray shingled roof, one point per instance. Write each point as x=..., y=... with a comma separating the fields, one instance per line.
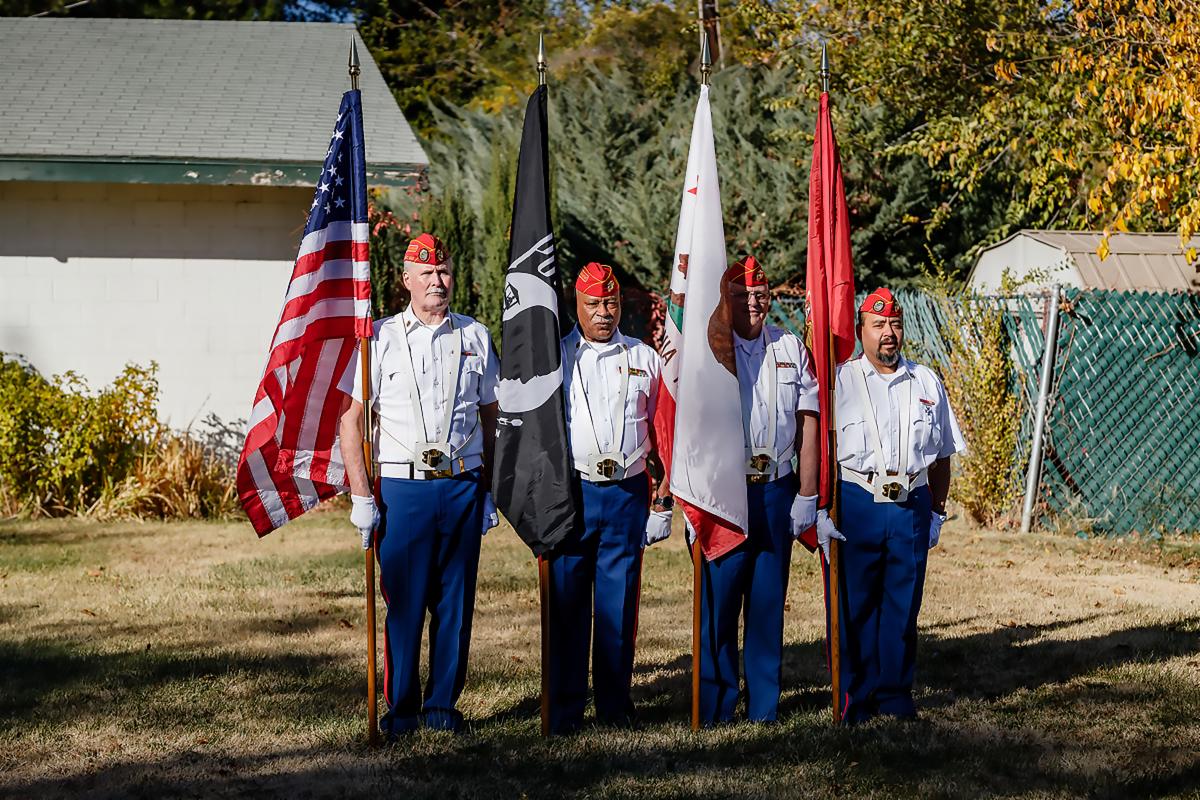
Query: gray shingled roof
x=184, y=91
x=1136, y=261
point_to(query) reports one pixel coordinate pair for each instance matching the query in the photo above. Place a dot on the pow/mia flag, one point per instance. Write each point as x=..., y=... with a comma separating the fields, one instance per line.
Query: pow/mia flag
x=534, y=482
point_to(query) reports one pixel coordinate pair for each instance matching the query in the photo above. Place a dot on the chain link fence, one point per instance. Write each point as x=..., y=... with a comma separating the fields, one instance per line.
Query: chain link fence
x=1121, y=451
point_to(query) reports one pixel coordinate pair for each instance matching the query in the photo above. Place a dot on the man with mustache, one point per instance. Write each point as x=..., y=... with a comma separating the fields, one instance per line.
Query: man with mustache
x=896, y=433
x=610, y=382
x=433, y=392
x=749, y=583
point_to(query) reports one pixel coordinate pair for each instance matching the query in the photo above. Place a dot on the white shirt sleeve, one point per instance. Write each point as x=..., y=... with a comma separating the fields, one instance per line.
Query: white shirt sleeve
x=491, y=373
x=808, y=398
x=952, y=438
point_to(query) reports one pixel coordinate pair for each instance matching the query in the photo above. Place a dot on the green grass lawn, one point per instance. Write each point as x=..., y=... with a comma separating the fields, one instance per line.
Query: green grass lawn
x=147, y=660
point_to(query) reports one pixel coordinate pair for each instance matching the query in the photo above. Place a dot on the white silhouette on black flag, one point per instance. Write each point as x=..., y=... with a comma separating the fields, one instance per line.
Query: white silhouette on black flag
x=534, y=482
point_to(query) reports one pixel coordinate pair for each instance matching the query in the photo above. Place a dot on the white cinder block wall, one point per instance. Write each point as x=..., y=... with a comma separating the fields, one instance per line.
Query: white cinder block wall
x=95, y=275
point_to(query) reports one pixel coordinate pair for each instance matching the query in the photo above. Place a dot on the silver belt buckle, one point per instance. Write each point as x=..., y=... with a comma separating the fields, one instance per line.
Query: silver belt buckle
x=604, y=467
x=760, y=465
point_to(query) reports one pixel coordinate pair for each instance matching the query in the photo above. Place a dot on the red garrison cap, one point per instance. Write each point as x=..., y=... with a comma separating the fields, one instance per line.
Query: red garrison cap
x=882, y=303
x=747, y=272
x=597, y=280
x=426, y=249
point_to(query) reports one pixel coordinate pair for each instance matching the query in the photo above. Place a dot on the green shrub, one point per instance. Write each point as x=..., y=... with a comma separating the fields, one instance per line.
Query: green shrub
x=65, y=449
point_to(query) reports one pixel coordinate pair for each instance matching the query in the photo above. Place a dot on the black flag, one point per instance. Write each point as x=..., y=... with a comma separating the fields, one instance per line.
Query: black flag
x=534, y=482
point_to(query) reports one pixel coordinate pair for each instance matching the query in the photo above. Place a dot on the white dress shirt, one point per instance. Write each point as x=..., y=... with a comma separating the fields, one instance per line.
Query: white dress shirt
x=592, y=391
x=934, y=434
x=397, y=430
x=795, y=387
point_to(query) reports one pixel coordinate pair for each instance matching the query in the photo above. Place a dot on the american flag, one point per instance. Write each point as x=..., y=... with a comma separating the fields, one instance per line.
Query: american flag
x=291, y=460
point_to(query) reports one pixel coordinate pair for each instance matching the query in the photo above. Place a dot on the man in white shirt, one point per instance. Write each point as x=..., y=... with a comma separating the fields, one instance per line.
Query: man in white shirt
x=433, y=396
x=779, y=418
x=610, y=382
x=896, y=433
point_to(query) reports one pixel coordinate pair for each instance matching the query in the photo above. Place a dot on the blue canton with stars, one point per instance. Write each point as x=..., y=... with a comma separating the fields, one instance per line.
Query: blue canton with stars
x=341, y=194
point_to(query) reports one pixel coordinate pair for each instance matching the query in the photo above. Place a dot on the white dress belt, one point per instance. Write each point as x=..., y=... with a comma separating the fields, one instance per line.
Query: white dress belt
x=869, y=480
x=407, y=471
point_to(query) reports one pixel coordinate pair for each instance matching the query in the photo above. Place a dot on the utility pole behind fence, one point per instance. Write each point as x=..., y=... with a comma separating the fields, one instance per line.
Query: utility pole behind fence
x=1033, y=474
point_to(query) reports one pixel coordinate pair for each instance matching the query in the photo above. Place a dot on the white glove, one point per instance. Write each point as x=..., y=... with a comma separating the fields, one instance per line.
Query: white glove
x=826, y=530
x=658, y=527
x=936, y=521
x=804, y=514
x=364, y=516
x=491, y=517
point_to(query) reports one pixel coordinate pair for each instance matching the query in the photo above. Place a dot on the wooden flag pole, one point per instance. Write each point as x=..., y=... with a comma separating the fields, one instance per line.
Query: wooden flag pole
x=544, y=595
x=697, y=550
x=364, y=349
x=542, y=561
x=697, y=583
x=835, y=606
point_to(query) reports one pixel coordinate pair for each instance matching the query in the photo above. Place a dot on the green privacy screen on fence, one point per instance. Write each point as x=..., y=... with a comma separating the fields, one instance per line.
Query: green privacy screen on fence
x=1122, y=445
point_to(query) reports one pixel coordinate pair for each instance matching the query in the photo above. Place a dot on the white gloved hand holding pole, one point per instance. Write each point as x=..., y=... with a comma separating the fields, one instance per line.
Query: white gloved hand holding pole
x=826, y=530
x=364, y=515
x=491, y=517
x=658, y=527
x=804, y=514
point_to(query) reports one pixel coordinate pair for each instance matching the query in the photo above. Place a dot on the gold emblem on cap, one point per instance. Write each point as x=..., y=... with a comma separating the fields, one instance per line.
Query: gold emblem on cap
x=424, y=254
x=878, y=305
x=441, y=256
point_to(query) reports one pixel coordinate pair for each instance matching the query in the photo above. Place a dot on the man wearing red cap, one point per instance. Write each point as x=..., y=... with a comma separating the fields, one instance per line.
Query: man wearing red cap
x=896, y=433
x=433, y=395
x=779, y=418
x=610, y=382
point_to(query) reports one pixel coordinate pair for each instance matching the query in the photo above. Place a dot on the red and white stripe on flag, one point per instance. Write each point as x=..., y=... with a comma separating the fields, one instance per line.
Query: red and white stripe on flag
x=291, y=460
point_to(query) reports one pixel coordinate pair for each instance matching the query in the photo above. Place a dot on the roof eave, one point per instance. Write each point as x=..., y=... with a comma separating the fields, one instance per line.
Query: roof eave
x=198, y=172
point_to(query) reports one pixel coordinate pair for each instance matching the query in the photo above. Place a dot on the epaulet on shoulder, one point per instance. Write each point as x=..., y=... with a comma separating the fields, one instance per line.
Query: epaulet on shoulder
x=776, y=333
x=463, y=321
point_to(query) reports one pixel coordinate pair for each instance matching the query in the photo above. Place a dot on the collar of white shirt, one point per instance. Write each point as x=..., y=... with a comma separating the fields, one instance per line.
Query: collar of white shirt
x=752, y=346
x=886, y=377
x=411, y=321
x=601, y=348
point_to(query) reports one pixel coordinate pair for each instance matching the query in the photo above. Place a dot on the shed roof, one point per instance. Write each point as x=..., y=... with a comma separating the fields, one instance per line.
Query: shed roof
x=1136, y=261
x=244, y=102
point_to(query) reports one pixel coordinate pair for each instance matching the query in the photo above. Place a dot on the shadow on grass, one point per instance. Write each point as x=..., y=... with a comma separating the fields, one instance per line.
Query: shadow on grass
x=995, y=744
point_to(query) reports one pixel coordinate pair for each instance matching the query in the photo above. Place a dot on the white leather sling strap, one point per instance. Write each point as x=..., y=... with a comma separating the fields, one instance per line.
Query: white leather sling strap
x=762, y=461
x=882, y=489
x=421, y=450
x=596, y=460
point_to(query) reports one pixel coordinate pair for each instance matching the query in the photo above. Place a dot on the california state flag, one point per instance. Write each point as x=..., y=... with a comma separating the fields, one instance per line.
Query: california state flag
x=698, y=420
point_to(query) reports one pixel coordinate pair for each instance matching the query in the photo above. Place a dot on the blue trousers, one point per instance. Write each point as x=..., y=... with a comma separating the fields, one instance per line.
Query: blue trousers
x=600, y=563
x=750, y=583
x=428, y=551
x=882, y=571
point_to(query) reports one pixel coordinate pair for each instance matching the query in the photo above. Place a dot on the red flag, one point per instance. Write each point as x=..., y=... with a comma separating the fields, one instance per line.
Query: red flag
x=830, y=282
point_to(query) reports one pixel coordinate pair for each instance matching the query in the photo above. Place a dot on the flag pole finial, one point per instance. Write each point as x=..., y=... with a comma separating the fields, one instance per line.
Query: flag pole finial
x=354, y=66
x=705, y=57
x=824, y=68
x=541, y=60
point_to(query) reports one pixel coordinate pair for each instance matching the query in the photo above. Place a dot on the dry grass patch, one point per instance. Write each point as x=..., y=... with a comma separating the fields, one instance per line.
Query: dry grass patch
x=190, y=659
